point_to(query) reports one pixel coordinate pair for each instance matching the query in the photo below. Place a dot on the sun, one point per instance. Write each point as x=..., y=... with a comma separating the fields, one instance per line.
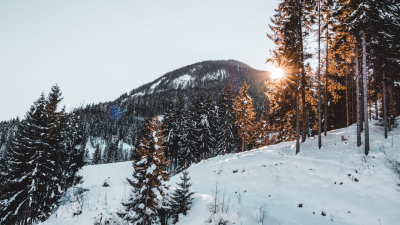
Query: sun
x=277, y=73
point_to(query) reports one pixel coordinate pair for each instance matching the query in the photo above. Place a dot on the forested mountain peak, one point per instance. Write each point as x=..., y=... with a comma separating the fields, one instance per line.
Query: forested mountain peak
x=201, y=75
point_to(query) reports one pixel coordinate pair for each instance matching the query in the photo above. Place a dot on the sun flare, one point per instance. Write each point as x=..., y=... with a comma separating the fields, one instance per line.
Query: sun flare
x=277, y=73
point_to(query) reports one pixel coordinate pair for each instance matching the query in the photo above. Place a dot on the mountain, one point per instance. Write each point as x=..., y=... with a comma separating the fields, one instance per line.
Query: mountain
x=188, y=83
x=336, y=184
x=208, y=76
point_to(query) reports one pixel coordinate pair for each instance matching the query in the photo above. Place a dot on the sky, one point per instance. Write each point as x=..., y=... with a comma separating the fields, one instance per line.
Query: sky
x=97, y=50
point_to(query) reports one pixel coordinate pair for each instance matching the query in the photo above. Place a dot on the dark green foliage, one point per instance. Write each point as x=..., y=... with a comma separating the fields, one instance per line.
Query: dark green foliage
x=181, y=197
x=97, y=155
x=42, y=161
x=149, y=178
x=227, y=133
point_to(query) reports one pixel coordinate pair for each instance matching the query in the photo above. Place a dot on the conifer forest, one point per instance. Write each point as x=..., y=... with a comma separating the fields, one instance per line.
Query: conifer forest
x=313, y=139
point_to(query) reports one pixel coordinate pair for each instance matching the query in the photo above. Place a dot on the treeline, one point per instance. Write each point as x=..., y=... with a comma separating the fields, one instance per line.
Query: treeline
x=207, y=128
x=357, y=76
x=41, y=160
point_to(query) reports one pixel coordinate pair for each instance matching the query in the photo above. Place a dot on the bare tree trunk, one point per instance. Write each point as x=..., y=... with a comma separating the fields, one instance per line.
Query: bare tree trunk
x=297, y=121
x=366, y=133
x=347, y=100
x=303, y=81
x=376, y=108
x=326, y=87
x=308, y=123
x=358, y=101
x=354, y=99
x=319, y=75
x=384, y=105
x=391, y=109
x=361, y=100
x=243, y=143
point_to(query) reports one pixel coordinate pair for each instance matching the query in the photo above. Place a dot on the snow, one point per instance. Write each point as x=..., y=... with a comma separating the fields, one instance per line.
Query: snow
x=155, y=85
x=102, y=144
x=139, y=94
x=219, y=74
x=182, y=80
x=336, y=179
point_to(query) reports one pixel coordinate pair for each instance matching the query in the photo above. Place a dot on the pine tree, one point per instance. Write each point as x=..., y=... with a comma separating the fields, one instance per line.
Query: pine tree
x=188, y=153
x=41, y=164
x=203, y=129
x=227, y=136
x=120, y=156
x=182, y=197
x=21, y=198
x=173, y=128
x=149, y=178
x=262, y=130
x=244, y=117
x=97, y=155
x=72, y=151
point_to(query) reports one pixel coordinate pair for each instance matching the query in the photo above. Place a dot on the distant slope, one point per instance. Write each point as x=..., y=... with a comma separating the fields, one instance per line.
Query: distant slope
x=188, y=83
x=204, y=77
x=335, y=180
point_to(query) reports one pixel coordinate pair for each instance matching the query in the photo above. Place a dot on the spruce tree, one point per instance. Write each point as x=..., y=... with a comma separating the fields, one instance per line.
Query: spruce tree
x=181, y=197
x=149, y=178
x=97, y=155
x=203, y=129
x=172, y=127
x=188, y=153
x=42, y=165
x=21, y=199
x=73, y=151
x=244, y=117
x=227, y=135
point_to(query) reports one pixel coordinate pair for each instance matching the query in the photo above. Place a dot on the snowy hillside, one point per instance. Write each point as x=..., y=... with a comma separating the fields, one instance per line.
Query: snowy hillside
x=336, y=181
x=201, y=75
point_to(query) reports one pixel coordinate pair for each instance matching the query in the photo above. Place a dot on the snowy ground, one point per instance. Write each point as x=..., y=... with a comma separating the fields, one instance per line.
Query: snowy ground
x=336, y=180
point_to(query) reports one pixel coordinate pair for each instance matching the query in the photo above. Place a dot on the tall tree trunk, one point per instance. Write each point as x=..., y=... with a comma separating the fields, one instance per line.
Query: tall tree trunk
x=354, y=98
x=361, y=101
x=347, y=99
x=303, y=91
x=376, y=108
x=391, y=105
x=243, y=143
x=384, y=104
x=365, y=80
x=319, y=75
x=358, y=100
x=326, y=87
x=297, y=121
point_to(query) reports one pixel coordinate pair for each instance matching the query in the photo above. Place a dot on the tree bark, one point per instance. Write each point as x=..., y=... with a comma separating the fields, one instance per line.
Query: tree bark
x=366, y=132
x=384, y=104
x=297, y=121
x=326, y=87
x=347, y=100
x=391, y=106
x=303, y=81
x=360, y=97
x=354, y=98
x=358, y=100
x=319, y=75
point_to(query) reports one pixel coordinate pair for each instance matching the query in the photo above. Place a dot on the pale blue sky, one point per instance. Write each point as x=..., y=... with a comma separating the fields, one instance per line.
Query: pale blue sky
x=98, y=50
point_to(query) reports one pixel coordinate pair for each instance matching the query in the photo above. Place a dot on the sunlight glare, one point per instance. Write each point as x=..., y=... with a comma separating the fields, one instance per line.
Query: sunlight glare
x=276, y=73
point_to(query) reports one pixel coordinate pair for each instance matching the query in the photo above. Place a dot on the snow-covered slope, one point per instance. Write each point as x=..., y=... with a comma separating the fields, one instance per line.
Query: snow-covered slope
x=336, y=180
